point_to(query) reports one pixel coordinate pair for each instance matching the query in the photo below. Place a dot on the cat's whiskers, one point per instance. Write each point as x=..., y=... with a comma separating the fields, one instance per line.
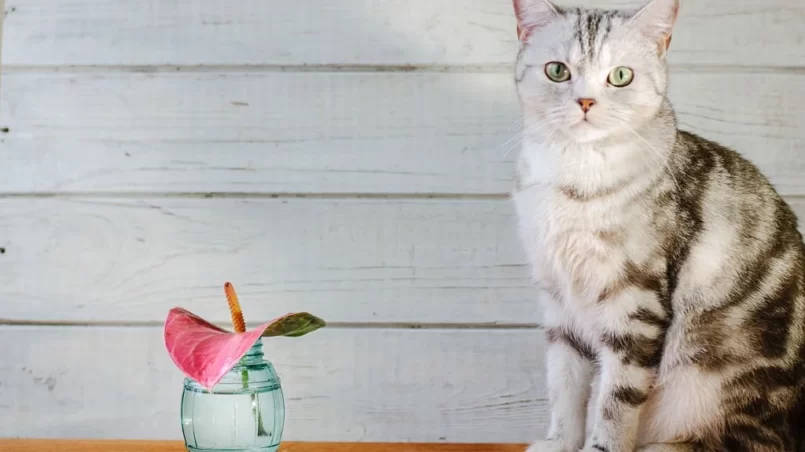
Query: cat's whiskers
x=518, y=138
x=656, y=154
x=515, y=141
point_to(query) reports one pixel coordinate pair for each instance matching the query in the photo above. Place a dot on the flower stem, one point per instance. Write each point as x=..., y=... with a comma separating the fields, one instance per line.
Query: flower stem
x=240, y=327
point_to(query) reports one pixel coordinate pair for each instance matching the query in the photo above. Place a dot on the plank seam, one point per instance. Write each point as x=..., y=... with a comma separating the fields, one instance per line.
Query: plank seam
x=257, y=195
x=332, y=325
x=67, y=195
x=361, y=68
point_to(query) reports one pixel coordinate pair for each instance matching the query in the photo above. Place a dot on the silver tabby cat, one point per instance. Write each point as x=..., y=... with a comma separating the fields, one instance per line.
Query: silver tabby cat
x=672, y=271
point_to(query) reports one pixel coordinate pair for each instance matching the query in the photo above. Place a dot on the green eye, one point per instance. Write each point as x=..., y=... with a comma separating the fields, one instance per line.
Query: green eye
x=620, y=77
x=557, y=72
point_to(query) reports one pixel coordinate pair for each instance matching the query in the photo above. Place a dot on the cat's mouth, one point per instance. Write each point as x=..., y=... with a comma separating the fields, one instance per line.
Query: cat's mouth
x=586, y=130
x=585, y=123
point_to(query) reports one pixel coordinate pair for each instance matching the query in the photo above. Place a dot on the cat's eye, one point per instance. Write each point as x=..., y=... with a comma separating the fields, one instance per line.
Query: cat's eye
x=620, y=77
x=557, y=72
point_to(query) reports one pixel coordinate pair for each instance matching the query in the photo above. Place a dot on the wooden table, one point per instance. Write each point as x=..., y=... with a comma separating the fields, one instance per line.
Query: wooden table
x=24, y=445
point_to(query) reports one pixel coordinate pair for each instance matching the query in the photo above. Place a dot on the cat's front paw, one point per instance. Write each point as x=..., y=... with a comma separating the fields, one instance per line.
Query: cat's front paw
x=549, y=446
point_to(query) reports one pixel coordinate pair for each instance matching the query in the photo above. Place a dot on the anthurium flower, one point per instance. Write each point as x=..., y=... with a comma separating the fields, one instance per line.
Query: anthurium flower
x=205, y=352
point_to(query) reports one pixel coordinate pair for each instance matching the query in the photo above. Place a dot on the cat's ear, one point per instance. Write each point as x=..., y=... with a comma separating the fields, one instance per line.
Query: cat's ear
x=533, y=14
x=656, y=21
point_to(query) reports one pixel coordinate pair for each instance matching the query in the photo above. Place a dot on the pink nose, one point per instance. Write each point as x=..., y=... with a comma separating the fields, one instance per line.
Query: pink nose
x=586, y=104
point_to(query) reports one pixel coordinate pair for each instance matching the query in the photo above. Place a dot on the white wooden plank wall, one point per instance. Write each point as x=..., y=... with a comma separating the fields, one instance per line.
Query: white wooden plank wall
x=340, y=156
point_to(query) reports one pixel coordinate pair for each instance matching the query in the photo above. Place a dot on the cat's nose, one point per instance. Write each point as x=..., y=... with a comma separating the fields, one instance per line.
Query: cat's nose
x=586, y=104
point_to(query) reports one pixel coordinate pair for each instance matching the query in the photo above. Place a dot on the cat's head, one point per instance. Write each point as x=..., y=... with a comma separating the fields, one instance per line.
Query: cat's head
x=589, y=74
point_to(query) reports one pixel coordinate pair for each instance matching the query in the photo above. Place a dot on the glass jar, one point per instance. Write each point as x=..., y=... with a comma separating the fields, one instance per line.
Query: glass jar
x=244, y=412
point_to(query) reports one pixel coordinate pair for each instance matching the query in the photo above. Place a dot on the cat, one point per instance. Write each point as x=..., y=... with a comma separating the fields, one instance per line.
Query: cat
x=671, y=271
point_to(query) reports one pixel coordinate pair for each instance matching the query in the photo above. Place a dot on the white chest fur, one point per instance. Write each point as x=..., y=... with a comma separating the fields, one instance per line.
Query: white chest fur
x=566, y=243
x=579, y=248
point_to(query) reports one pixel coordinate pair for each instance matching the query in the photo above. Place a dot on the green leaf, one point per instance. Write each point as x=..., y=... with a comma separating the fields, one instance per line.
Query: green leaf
x=294, y=325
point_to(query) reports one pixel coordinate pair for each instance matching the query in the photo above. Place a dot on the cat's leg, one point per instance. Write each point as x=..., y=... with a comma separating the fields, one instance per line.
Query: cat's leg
x=633, y=324
x=623, y=391
x=569, y=372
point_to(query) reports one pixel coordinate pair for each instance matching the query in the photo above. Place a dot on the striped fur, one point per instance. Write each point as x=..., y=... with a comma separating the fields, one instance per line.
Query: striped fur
x=673, y=274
